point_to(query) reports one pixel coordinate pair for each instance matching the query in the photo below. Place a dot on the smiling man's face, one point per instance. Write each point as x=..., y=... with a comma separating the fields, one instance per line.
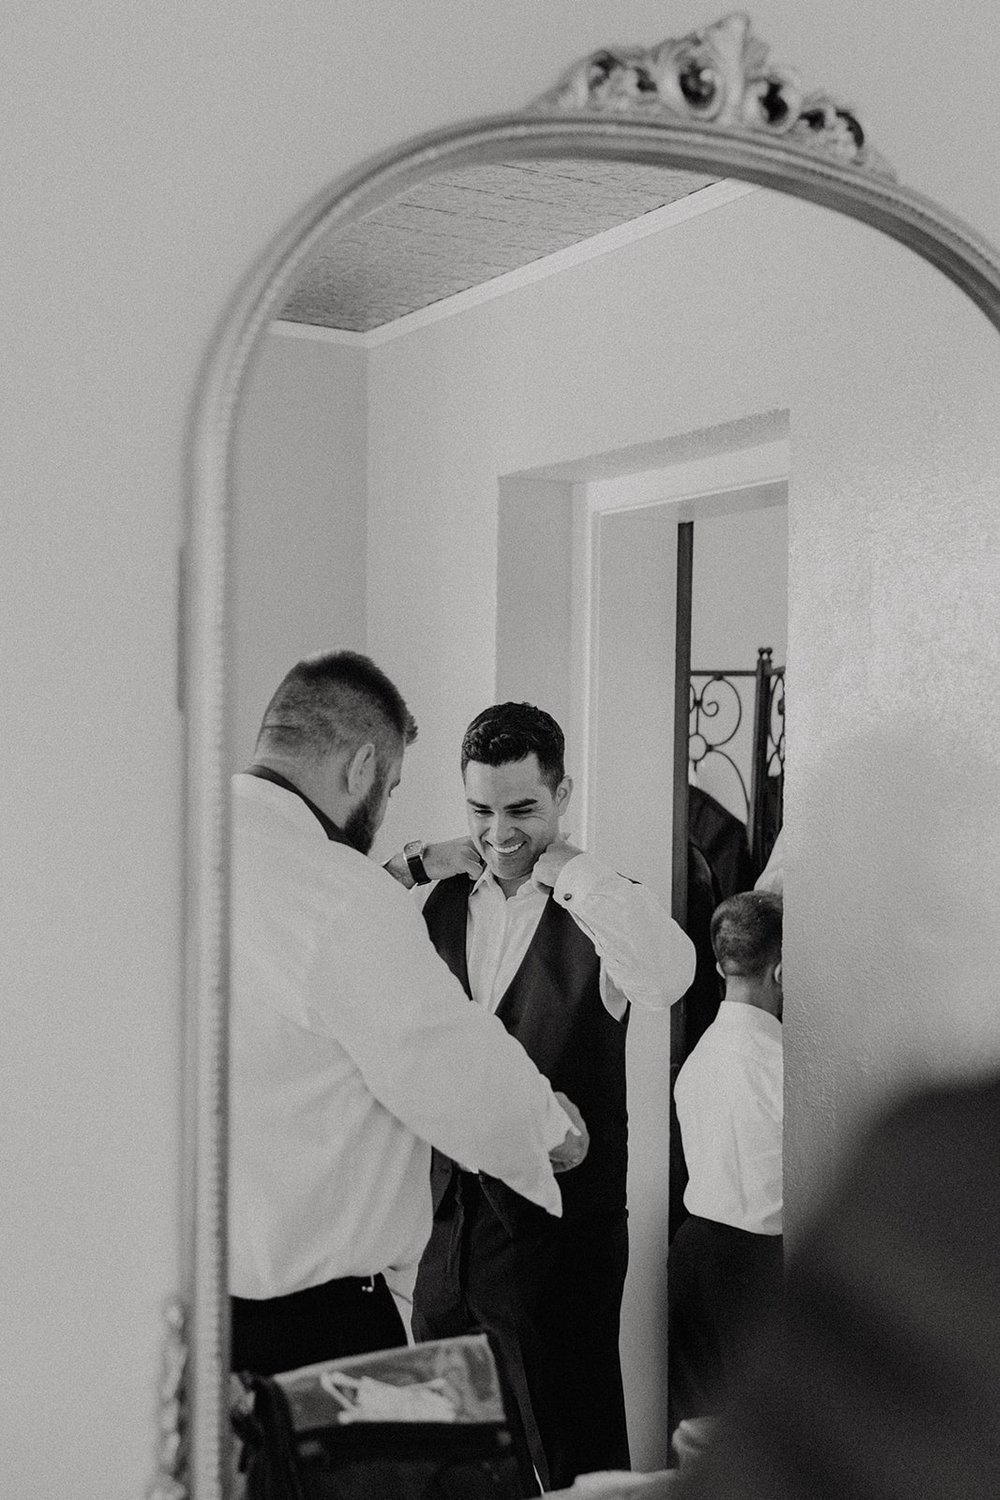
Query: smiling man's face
x=513, y=815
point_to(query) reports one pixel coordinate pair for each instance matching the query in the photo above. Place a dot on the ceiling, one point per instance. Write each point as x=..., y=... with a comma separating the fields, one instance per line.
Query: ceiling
x=467, y=227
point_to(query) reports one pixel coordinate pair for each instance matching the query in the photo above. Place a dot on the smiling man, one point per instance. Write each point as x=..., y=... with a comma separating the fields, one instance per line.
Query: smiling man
x=556, y=945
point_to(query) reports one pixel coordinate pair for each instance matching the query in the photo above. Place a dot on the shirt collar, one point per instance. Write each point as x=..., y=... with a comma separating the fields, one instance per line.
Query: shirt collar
x=487, y=878
x=327, y=824
x=484, y=878
x=736, y=1014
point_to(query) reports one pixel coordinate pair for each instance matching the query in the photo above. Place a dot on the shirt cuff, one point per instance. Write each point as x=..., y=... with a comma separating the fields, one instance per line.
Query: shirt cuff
x=578, y=878
x=557, y=1125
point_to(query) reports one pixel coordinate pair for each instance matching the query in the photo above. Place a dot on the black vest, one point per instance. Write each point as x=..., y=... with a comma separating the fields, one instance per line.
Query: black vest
x=553, y=1007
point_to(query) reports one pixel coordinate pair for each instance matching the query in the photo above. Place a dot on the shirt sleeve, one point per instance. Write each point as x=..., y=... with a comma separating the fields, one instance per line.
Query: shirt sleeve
x=645, y=956
x=448, y=1070
x=772, y=877
x=729, y=1109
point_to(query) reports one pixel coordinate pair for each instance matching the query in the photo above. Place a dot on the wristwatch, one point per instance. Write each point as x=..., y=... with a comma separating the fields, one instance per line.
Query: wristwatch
x=413, y=853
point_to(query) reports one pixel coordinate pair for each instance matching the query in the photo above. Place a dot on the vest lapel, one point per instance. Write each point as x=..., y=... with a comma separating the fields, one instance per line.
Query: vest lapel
x=515, y=996
x=446, y=912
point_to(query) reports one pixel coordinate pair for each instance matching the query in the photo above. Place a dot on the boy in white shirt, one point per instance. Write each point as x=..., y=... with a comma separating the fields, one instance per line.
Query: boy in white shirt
x=725, y=1264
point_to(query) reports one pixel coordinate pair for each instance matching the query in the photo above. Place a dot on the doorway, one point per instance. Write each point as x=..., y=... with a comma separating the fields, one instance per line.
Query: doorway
x=587, y=616
x=730, y=646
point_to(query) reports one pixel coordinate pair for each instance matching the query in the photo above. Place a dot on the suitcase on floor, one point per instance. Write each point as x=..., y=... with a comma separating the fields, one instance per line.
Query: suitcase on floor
x=425, y=1422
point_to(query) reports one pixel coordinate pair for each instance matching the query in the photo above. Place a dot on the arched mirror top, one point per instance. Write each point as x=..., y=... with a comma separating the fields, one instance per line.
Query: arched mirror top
x=710, y=103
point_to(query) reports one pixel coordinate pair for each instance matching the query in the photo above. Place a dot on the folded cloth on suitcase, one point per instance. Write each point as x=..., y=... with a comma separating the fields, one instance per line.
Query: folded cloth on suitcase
x=403, y=1424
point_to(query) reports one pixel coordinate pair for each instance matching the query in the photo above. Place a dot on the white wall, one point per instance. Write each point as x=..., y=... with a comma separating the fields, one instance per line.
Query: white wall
x=630, y=825
x=151, y=153
x=893, y=744
x=534, y=656
x=299, y=531
x=739, y=586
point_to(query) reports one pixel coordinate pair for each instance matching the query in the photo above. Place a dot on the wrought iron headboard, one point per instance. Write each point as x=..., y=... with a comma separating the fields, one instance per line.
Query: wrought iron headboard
x=720, y=696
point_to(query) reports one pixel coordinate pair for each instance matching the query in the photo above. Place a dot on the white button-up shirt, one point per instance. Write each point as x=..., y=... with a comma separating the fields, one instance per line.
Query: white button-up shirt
x=353, y=1050
x=730, y=1108
x=645, y=957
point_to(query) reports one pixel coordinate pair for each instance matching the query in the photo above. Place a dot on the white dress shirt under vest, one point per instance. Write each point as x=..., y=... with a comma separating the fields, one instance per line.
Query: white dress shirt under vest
x=353, y=1050
x=730, y=1107
x=645, y=956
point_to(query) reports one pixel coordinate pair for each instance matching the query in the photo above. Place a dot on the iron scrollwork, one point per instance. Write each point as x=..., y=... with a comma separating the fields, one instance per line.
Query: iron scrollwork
x=716, y=716
x=718, y=698
x=776, y=724
x=767, y=784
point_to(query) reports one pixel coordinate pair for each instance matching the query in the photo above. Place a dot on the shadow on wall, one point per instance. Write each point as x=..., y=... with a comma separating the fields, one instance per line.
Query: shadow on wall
x=892, y=891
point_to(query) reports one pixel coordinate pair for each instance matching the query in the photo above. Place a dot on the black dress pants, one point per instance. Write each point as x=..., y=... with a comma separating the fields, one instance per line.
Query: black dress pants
x=723, y=1284
x=550, y=1298
x=349, y=1316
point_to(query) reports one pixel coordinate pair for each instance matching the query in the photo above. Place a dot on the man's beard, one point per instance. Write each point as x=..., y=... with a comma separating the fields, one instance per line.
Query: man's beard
x=360, y=826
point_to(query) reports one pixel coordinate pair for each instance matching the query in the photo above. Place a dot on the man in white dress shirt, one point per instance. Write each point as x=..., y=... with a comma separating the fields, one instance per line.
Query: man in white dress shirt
x=725, y=1265
x=353, y=1050
x=556, y=945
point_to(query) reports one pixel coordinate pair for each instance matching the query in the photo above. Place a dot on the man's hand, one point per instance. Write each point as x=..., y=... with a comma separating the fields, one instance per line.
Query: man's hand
x=454, y=857
x=549, y=863
x=572, y=1150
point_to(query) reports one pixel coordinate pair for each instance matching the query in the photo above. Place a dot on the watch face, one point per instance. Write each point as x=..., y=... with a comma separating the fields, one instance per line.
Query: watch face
x=412, y=849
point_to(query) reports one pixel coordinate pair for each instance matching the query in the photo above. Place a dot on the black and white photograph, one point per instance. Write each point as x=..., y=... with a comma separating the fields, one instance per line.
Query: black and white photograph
x=502, y=600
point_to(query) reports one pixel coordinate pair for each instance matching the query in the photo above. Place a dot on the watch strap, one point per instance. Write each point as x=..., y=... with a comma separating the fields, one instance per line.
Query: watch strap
x=413, y=853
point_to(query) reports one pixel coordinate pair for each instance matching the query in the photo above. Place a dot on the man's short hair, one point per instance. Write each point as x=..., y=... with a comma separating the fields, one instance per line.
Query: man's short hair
x=511, y=731
x=746, y=933
x=334, y=701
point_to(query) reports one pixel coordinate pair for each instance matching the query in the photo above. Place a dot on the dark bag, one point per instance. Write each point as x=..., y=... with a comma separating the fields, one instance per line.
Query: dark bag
x=420, y=1423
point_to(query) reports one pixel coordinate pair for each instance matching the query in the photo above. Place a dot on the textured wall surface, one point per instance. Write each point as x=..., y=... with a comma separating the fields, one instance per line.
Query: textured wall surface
x=893, y=747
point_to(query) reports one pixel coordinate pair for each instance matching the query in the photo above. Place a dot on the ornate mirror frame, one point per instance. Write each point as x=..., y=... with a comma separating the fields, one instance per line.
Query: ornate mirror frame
x=709, y=103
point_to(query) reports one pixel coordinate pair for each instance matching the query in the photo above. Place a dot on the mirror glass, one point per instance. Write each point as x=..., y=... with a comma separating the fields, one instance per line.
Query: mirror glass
x=467, y=447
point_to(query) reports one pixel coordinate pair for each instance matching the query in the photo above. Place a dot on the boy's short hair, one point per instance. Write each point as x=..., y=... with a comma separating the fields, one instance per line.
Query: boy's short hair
x=746, y=933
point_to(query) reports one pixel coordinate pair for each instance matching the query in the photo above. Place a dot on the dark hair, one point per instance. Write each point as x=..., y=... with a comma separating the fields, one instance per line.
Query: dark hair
x=512, y=731
x=746, y=933
x=332, y=701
